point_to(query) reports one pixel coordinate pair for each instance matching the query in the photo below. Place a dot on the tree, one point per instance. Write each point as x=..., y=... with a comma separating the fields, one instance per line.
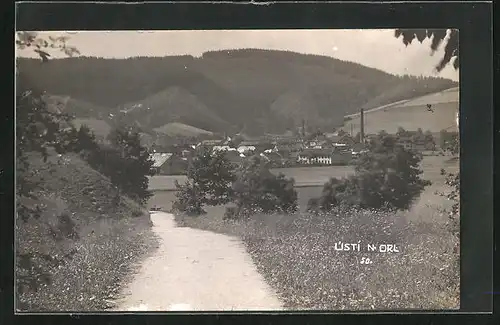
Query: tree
x=451, y=50
x=257, y=190
x=38, y=127
x=430, y=143
x=437, y=37
x=387, y=176
x=41, y=46
x=210, y=175
x=335, y=192
x=401, y=132
x=134, y=163
x=77, y=140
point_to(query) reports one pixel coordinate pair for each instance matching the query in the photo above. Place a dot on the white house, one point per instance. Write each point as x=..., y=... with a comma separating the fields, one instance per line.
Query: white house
x=221, y=148
x=243, y=149
x=312, y=156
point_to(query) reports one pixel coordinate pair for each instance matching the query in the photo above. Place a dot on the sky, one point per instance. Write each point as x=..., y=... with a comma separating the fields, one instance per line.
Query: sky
x=373, y=48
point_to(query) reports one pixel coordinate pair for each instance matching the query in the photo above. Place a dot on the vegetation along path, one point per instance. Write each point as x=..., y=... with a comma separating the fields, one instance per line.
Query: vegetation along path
x=196, y=270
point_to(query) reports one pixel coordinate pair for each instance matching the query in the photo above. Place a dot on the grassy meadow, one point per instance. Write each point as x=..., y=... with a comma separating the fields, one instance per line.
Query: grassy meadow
x=296, y=253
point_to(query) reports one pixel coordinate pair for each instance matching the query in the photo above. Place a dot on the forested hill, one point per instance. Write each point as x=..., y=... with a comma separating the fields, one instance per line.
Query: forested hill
x=259, y=90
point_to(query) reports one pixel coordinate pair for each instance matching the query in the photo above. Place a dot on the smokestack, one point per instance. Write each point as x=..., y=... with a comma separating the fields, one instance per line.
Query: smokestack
x=362, y=129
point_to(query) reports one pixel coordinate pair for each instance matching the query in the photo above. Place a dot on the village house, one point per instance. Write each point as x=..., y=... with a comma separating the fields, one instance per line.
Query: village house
x=315, y=157
x=288, y=145
x=259, y=145
x=410, y=141
x=222, y=148
x=247, y=146
x=274, y=158
x=341, y=140
x=210, y=143
x=168, y=163
x=358, y=149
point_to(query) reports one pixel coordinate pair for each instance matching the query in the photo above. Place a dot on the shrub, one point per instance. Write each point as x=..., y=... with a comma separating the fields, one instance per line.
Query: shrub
x=210, y=175
x=188, y=199
x=387, y=176
x=134, y=161
x=256, y=189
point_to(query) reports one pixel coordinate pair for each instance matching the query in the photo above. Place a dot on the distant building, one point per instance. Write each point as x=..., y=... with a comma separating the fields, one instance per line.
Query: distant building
x=275, y=159
x=169, y=163
x=315, y=157
x=210, y=143
x=222, y=148
x=357, y=149
x=253, y=143
x=244, y=149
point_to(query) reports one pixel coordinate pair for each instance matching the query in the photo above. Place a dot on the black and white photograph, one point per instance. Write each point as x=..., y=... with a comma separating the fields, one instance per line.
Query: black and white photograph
x=237, y=170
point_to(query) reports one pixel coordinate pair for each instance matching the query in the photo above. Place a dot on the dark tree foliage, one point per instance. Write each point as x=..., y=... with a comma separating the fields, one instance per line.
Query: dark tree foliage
x=41, y=46
x=77, y=140
x=133, y=163
x=387, y=176
x=449, y=141
x=263, y=90
x=210, y=175
x=335, y=192
x=257, y=190
x=189, y=199
x=38, y=128
x=437, y=37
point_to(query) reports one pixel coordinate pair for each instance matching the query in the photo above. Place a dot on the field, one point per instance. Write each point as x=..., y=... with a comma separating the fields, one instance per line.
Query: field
x=296, y=254
x=309, y=181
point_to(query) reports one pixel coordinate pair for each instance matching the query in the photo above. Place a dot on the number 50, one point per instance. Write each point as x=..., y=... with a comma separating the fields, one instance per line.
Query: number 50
x=365, y=260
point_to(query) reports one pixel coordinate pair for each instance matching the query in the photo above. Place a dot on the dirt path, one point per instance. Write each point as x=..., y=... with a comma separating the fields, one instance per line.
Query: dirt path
x=196, y=270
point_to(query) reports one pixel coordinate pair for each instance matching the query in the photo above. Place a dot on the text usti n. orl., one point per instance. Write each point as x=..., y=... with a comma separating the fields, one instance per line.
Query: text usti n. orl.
x=357, y=247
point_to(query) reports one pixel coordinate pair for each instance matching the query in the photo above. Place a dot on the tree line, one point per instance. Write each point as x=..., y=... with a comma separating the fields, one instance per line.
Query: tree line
x=256, y=90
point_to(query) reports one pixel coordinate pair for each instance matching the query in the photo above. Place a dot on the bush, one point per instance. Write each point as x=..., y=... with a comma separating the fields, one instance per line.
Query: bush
x=133, y=163
x=210, y=175
x=188, y=199
x=257, y=190
x=387, y=176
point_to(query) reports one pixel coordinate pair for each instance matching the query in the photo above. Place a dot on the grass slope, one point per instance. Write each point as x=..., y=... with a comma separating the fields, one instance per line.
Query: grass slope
x=85, y=239
x=411, y=115
x=180, y=129
x=261, y=90
x=174, y=104
x=100, y=128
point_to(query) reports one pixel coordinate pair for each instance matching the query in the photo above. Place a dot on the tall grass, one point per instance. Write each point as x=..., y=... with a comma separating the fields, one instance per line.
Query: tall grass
x=297, y=256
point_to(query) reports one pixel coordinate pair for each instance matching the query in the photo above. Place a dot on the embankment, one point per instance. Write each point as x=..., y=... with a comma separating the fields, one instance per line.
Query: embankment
x=86, y=240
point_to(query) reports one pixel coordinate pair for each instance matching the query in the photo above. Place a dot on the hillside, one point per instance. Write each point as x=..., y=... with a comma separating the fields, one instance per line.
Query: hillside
x=100, y=128
x=259, y=90
x=411, y=114
x=179, y=129
x=82, y=244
